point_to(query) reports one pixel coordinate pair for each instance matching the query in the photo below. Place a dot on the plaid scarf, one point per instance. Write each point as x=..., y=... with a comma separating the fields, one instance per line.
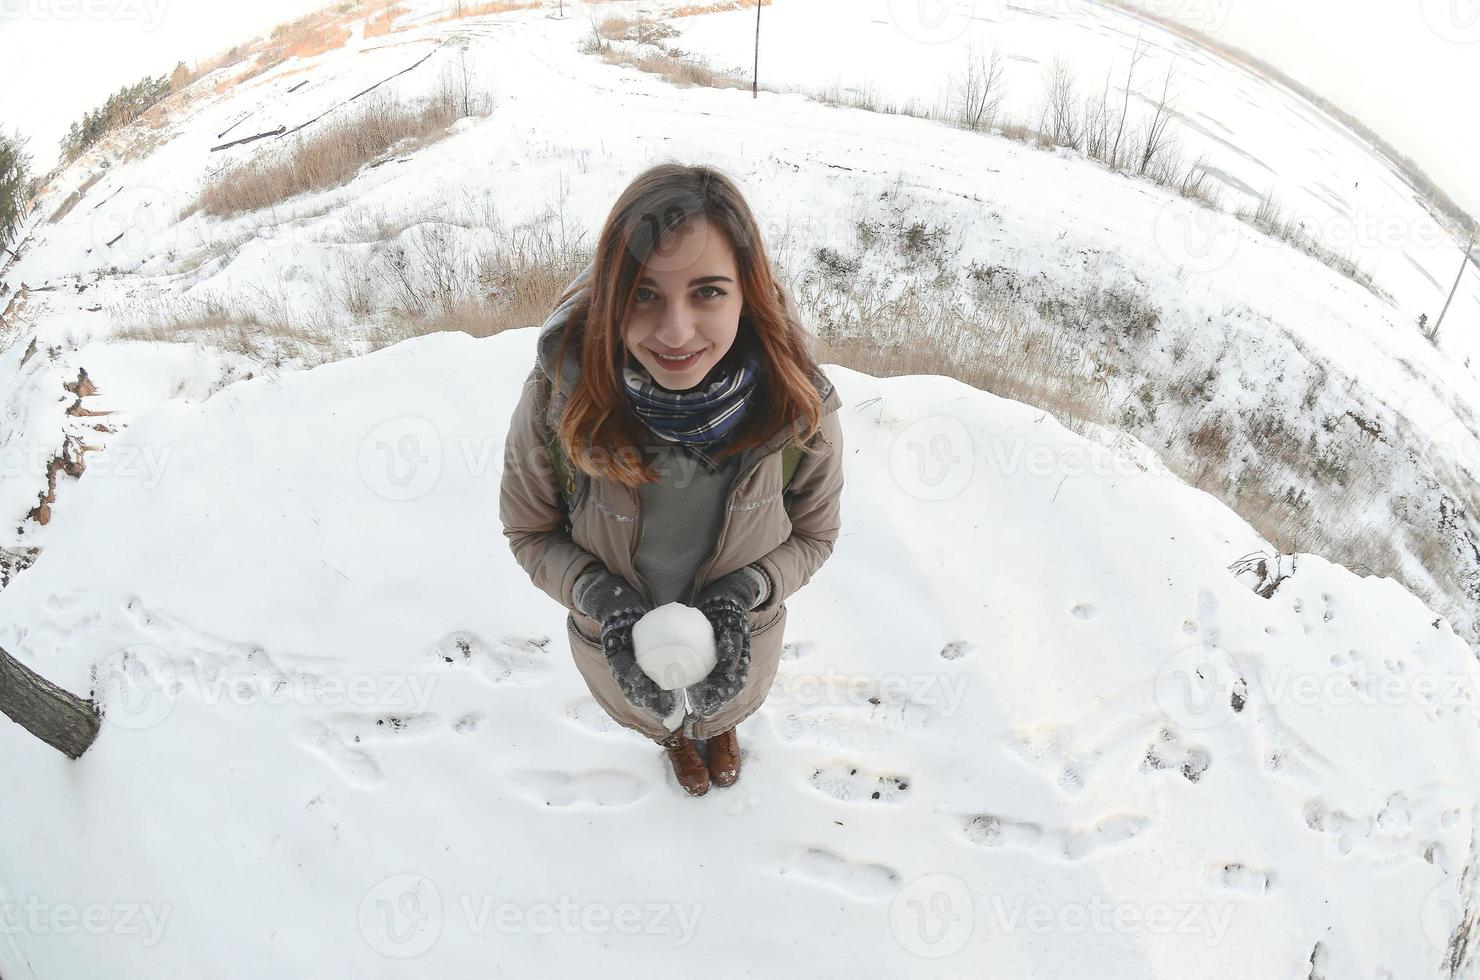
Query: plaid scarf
x=700, y=416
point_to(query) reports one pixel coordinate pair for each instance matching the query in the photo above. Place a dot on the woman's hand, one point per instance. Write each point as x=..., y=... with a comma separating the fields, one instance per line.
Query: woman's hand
x=616, y=605
x=726, y=603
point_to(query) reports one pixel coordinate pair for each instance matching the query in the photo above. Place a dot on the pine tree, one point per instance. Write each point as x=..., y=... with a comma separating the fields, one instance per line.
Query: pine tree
x=16, y=186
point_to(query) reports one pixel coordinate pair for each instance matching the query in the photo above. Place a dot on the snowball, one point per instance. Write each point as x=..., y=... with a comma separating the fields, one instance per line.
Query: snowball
x=674, y=645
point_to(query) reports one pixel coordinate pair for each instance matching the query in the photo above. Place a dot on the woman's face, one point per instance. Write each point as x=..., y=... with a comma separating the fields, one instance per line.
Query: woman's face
x=688, y=302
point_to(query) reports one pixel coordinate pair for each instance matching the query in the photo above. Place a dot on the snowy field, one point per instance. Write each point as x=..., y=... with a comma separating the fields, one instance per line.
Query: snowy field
x=344, y=738
x=1029, y=723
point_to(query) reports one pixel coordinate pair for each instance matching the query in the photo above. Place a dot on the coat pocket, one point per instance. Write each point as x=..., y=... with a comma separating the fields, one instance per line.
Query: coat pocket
x=587, y=628
x=758, y=517
x=596, y=526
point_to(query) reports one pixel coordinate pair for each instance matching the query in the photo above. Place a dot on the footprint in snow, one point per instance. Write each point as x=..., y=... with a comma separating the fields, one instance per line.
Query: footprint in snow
x=509, y=661
x=1073, y=844
x=354, y=765
x=589, y=787
x=1170, y=751
x=584, y=711
x=852, y=784
x=871, y=882
x=1241, y=878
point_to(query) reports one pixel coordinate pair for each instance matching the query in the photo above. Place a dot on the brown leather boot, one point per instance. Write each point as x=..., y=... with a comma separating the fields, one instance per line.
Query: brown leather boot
x=724, y=758
x=688, y=764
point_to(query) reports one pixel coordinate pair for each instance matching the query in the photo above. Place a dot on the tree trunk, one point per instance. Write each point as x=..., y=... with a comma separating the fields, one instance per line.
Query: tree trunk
x=59, y=718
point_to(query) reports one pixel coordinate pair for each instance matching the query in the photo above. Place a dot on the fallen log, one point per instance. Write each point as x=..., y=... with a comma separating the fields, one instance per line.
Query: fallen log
x=56, y=716
x=362, y=92
x=272, y=132
x=244, y=117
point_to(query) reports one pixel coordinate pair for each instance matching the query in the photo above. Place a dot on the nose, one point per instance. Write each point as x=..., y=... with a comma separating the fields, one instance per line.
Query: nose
x=674, y=329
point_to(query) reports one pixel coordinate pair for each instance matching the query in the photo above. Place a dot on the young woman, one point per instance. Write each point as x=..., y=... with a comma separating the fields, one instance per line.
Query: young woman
x=675, y=372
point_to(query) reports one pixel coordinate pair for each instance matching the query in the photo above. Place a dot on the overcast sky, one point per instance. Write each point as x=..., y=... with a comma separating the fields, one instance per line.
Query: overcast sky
x=1410, y=69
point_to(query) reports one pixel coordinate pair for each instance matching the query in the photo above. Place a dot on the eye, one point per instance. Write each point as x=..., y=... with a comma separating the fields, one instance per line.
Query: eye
x=638, y=297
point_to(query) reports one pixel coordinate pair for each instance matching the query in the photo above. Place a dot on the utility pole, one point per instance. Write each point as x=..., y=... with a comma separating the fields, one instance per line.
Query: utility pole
x=755, y=72
x=1462, y=263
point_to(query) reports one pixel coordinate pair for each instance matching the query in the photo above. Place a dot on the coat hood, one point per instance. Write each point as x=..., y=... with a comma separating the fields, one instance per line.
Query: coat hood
x=547, y=347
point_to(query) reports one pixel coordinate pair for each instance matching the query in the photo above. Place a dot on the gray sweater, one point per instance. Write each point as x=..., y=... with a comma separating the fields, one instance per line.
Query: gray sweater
x=682, y=513
x=681, y=518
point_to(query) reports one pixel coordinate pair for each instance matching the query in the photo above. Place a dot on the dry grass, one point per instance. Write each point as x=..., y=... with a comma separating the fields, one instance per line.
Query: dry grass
x=638, y=30
x=330, y=154
x=71, y=201
x=383, y=23
x=310, y=35
x=418, y=279
x=867, y=97
x=681, y=71
x=430, y=279
x=720, y=7
x=461, y=10
x=235, y=328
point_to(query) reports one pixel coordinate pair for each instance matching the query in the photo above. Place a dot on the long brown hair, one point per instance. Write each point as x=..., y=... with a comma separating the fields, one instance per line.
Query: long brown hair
x=601, y=433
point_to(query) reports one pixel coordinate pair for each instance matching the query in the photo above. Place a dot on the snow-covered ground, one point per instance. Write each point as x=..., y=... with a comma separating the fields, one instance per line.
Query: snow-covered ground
x=343, y=736
x=1096, y=750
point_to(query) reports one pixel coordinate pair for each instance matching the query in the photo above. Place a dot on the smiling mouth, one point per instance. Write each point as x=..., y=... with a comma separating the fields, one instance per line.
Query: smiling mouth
x=673, y=363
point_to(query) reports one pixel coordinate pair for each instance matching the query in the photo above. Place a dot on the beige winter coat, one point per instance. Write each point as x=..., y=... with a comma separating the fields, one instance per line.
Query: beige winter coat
x=789, y=536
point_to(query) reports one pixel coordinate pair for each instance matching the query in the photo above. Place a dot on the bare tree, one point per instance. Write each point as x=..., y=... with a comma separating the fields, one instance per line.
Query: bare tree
x=1097, y=123
x=1137, y=54
x=978, y=91
x=1062, y=108
x=1158, y=139
x=15, y=186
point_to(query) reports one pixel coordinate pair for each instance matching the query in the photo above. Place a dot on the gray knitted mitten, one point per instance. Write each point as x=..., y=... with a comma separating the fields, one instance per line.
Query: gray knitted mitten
x=616, y=605
x=726, y=602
